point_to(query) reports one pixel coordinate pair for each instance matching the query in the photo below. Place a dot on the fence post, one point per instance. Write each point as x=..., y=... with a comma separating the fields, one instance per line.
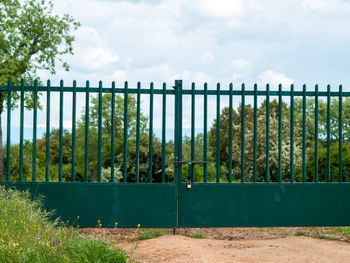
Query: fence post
x=8, y=143
x=176, y=158
x=177, y=143
x=178, y=131
x=35, y=120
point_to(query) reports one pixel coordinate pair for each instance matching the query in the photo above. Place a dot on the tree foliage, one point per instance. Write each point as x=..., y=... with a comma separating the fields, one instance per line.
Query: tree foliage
x=32, y=38
x=261, y=142
x=199, y=145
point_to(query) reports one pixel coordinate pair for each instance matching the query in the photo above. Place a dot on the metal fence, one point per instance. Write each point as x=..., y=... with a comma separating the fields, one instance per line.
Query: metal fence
x=178, y=92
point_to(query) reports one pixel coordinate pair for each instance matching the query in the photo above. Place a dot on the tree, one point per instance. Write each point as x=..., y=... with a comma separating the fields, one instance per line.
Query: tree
x=32, y=38
x=322, y=163
x=261, y=145
x=119, y=141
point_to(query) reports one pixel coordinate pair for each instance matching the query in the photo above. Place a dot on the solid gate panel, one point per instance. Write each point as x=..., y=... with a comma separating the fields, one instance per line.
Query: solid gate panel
x=150, y=205
x=273, y=204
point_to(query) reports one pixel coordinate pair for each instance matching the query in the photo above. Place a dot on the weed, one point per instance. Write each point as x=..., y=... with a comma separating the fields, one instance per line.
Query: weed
x=28, y=235
x=195, y=235
x=319, y=236
x=302, y=234
x=326, y=237
x=343, y=231
x=149, y=234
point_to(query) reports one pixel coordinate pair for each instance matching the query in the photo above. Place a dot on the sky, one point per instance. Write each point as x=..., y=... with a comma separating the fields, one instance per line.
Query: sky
x=197, y=41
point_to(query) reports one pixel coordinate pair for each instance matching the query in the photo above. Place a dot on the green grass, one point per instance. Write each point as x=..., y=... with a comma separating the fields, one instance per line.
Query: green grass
x=195, y=235
x=340, y=231
x=302, y=234
x=27, y=235
x=325, y=235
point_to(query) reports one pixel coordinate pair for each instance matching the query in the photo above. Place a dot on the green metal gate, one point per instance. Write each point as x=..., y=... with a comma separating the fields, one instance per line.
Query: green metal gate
x=204, y=204
x=186, y=202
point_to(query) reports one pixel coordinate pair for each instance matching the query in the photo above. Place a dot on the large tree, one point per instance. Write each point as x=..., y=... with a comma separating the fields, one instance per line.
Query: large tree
x=32, y=38
x=261, y=139
x=119, y=142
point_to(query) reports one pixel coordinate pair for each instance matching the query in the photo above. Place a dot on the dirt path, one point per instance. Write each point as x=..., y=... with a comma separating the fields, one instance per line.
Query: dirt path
x=177, y=248
x=248, y=245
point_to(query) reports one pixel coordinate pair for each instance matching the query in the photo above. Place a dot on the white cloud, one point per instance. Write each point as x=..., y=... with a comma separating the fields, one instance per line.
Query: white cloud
x=240, y=64
x=91, y=53
x=220, y=8
x=119, y=75
x=316, y=4
x=155, y=73
x=198, y=77
x=207, y=57
x=274, y=79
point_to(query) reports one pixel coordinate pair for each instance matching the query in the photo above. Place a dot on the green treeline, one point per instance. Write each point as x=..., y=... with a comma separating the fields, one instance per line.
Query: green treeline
x=199, y=143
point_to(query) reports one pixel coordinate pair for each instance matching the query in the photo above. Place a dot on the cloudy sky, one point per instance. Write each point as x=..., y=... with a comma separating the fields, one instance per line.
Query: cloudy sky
x=210, y=41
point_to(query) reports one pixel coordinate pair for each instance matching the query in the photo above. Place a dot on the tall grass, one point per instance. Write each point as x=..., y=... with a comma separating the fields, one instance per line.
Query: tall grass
x=28, y=235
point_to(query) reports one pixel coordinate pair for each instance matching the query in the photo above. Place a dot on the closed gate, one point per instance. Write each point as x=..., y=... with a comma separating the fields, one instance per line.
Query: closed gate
x=250, y=174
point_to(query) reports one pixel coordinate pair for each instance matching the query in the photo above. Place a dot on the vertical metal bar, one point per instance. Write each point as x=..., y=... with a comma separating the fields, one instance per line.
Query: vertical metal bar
x=35, y=108
x=189, y=169
x=218, y=133
x=74, y=110
x=304, y=136
x=48, y=94
x=316, y=133
x=99, y=129
x=177, y=165
x=176, y=132
x=255, y=130
x=125, y=142
x=230, y=135
x=328, y=133
x=279, y=132
x=21, y=132
x=267, y=132
x=8, y=143
x=340, y=133
x=150, y=151
x=163, y=132
x=60, y=133
x=292, y=133
x=193, y=101
x=87, y=113
x=138, y=113
x=242, y=132
x=112, y=131
x=180, y=128
x=205, y=131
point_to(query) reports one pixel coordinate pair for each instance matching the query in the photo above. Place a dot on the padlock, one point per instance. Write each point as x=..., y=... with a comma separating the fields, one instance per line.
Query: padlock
x=189, y=185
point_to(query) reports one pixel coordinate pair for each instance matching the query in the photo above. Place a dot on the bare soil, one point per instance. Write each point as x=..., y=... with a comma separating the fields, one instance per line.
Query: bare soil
x=251, y=245
x=288, y=249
